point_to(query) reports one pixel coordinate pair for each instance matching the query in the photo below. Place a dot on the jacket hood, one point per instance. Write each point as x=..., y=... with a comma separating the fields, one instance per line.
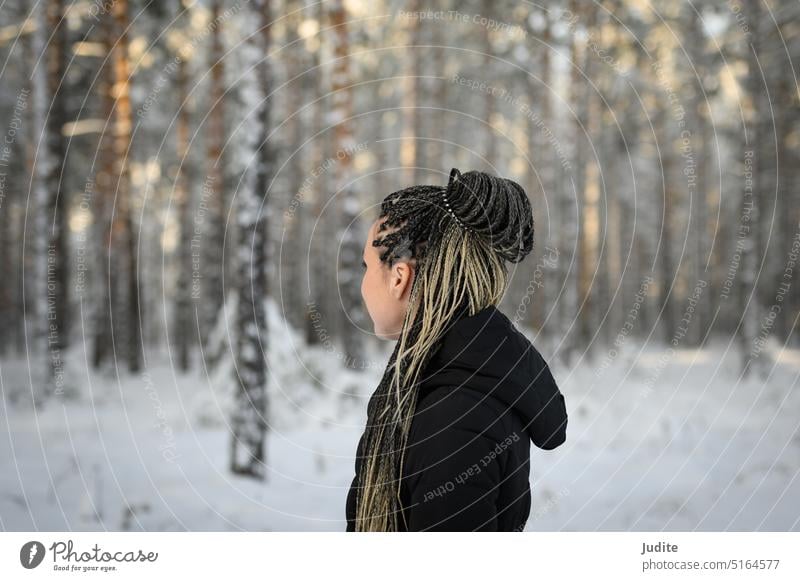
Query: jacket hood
x=485, y=352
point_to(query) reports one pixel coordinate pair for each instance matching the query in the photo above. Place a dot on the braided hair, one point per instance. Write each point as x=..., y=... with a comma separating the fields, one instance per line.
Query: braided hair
x=461, y=236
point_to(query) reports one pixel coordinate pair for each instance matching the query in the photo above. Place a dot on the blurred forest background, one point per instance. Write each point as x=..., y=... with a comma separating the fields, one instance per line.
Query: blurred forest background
x=186, y=186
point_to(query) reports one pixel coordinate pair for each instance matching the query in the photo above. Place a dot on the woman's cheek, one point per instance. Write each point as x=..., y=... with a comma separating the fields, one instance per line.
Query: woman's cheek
x=364, y=288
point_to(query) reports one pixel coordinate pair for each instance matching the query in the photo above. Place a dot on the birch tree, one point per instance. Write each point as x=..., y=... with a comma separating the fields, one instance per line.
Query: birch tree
x=249, y=421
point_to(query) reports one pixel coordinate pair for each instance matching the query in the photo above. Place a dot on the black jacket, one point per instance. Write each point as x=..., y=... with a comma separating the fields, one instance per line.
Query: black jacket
x=485, y=395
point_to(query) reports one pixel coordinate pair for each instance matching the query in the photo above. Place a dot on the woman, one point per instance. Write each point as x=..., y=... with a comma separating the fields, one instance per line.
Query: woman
x=447, y=441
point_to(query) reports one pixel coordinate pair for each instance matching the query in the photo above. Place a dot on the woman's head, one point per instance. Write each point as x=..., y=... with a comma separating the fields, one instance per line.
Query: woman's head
x=385, y=287
x=434, y=254
x=494, y=222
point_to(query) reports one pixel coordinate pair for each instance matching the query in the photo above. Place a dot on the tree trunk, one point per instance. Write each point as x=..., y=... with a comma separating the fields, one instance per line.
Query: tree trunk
x=350, y=235
x=105, y=184
x=747, y=242
x=249, y=419
x=123, y=123
x=214, y=189
x=57, y=253
x=184, y=329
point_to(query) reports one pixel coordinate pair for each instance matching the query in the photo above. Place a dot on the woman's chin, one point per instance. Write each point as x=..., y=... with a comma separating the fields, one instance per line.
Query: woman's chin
x=387, y=335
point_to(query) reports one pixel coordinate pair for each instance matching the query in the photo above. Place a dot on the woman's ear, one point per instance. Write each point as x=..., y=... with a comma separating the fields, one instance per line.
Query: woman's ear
x=402, y=274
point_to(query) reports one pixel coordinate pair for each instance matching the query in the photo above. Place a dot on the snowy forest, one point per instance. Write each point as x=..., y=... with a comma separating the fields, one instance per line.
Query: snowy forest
x=185, y=191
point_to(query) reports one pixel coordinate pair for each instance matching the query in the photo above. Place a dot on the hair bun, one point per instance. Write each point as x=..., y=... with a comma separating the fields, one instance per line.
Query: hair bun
x=496, y=208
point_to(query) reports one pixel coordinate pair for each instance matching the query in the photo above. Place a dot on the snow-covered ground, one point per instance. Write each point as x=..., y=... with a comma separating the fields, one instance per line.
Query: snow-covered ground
x=657, y=440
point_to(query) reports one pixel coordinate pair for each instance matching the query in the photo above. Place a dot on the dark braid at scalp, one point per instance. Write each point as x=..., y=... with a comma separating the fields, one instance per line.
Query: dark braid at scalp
x=493, y=207
x=461, y=236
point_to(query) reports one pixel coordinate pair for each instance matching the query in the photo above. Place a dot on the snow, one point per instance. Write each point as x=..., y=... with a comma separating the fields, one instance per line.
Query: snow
x=699, y=449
